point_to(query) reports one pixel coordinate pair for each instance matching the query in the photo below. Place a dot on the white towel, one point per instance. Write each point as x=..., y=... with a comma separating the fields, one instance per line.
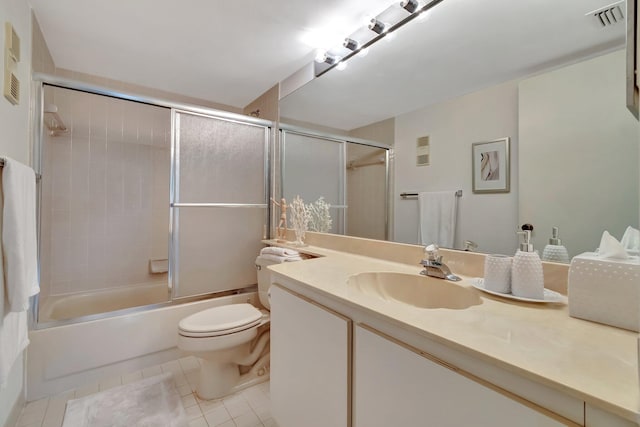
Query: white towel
x=273, y=250
x=19, y=244
x=437, y=218
x=14, y=339
x=281, y=259
x=14, y=336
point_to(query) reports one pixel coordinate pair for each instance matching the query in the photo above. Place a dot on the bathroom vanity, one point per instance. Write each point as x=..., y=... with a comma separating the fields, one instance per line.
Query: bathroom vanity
x=347, y=355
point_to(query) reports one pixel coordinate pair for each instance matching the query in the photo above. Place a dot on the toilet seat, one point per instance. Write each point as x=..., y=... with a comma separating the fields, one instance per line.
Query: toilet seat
x=218, y=321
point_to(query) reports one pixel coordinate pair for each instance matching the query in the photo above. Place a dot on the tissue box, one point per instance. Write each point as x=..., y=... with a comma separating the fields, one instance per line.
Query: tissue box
x=605, y=291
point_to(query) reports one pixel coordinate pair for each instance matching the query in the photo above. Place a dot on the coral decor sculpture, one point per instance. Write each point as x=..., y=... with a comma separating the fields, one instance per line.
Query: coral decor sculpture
x=320, y=216
x=299, y=219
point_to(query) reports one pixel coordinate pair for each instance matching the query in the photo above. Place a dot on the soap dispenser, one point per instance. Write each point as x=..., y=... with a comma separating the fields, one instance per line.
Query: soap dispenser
x=555, y=251
x=527, y=280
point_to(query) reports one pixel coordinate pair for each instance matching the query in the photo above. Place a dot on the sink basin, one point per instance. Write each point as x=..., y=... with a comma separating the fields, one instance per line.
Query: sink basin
x=415, y=290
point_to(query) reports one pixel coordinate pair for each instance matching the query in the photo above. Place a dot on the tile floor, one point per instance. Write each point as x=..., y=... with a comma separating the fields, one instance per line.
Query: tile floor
x=248, y=408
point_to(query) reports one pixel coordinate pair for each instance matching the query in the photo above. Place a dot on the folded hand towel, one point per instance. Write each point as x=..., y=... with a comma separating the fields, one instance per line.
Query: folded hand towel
x=281, y=259
x=19, y=244
x=437, y=218
x=273, y=250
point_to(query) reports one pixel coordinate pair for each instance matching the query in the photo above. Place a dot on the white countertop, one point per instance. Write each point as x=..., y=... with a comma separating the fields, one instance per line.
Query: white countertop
x=592, y=362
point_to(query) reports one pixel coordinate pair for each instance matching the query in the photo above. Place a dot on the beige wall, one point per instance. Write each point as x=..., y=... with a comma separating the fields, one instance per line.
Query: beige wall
x=142, y=90
x=453, y=126
x=42, y=62
x=266, y=106
x=382, y=131
x=313, y=126
x=579, y=152
x=14, y=142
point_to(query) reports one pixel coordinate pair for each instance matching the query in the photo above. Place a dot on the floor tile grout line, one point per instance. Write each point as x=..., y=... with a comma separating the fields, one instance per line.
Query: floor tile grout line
x=176, y=368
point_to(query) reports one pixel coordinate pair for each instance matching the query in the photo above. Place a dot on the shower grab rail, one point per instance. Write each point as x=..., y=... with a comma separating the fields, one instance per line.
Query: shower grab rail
x=415, y=195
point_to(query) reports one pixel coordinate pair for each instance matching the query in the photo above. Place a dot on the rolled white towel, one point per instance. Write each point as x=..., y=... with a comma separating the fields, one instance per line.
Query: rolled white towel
x=281, y=259
x=283, y=252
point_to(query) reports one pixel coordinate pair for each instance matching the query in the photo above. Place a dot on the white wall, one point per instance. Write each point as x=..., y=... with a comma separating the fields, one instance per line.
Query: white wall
x=488, y=219
x=14, y=142
x=582, y=143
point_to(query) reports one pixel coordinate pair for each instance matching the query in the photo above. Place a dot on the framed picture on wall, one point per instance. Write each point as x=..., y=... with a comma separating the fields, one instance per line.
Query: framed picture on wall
x=491, y=170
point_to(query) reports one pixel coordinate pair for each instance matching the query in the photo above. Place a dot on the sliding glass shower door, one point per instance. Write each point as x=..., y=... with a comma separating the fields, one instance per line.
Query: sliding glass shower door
x=219, y=202
x=313, y=167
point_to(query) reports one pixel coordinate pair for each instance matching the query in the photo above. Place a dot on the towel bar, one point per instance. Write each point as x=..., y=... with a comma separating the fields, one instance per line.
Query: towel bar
x=405, y=195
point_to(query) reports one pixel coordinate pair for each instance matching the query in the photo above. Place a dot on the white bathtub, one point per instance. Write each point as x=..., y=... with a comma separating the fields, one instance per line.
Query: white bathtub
x=61, y=307
x=64, y=357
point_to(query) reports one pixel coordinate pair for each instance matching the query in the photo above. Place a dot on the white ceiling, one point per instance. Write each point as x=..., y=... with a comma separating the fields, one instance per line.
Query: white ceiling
x=228, y=52
x=231, y=52
x=464, y=46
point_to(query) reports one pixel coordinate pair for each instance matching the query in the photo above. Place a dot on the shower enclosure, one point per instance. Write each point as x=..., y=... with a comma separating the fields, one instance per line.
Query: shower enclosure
x=143, y=202
x=352, y=175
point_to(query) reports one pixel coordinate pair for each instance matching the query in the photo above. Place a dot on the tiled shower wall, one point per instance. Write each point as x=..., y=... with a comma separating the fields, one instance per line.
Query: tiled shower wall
x=105, y=198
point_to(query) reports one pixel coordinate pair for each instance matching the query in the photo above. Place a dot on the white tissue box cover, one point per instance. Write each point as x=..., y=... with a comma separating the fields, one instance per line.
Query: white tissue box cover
x=605, y=291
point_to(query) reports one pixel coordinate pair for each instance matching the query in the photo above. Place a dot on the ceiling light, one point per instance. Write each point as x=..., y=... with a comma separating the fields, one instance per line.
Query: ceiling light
x=326, y=58
x=320, y=55
x=341, y=66
x=409, y=5
x=377, y=26
x=351, y=44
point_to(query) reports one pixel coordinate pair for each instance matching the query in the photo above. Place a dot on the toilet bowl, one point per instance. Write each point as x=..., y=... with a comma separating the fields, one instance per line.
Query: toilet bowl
x=222, y=338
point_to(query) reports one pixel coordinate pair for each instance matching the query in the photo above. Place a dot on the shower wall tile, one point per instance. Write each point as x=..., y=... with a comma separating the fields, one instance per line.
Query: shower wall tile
x=105, y=194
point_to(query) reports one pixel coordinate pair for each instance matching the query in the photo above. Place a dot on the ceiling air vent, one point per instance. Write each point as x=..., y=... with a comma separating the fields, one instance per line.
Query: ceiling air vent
x=608, y=15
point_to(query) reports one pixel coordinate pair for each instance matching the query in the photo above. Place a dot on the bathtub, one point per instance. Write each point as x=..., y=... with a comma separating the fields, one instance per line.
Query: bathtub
x=71, y=306
x=64, y=357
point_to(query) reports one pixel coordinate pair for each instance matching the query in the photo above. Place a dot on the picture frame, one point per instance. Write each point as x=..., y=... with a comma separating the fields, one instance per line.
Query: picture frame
x=491, y=163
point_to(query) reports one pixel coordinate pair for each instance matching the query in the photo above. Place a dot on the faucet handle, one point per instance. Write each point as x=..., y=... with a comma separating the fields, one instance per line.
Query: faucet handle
x=432, y=253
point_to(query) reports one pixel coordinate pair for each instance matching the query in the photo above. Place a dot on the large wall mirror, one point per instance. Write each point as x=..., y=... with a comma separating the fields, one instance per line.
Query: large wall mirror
x=549, y=75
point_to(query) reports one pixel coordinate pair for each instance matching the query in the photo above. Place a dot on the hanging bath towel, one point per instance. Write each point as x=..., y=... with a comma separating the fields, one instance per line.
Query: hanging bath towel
x=19, y=242
x=437, y=218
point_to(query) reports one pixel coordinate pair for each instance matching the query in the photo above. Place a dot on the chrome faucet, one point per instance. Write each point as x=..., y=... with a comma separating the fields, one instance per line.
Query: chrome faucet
x=433, y=265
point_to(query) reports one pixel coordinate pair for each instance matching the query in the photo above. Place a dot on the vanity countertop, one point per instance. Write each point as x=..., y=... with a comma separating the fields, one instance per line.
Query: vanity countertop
x=592, y=362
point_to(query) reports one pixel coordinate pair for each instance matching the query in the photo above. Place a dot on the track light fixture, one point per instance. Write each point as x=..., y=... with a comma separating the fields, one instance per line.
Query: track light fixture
x=351, y=44
x=326, y=58
x=377, y=27
x=359, y=41
x=409, y=5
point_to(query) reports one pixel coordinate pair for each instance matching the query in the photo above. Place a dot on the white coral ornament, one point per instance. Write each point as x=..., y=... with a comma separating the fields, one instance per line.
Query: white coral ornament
x=320, y=216
x=299, y=219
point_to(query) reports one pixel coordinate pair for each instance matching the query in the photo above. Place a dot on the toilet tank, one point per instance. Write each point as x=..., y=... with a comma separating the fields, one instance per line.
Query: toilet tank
x=264, y=280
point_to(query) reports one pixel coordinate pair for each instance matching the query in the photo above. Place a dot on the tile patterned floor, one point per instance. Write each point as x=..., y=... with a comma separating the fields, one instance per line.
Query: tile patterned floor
x=248, y=408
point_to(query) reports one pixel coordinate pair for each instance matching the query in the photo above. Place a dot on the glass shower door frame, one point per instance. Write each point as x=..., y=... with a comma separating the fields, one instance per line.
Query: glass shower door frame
x=39, y=80
x=174, y=193
x=342, y=204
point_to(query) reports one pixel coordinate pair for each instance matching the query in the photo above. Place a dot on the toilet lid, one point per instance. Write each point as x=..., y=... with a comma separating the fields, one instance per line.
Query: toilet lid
x=221, y=320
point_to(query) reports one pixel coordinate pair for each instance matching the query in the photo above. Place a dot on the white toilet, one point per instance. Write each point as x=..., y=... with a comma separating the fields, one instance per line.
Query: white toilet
x=221, y=337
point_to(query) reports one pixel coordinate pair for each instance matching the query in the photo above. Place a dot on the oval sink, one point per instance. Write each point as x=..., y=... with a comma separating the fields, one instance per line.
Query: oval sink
x=412, y=289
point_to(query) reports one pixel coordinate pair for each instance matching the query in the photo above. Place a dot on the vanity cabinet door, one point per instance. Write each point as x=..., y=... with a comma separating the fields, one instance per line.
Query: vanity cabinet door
x=310, y=363
x=396, y=386
x=595, y=417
